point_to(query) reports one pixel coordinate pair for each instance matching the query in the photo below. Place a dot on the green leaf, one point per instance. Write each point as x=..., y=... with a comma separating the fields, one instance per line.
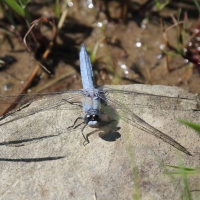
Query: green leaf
x=171, y=54
x=23, y=3
x=57, y=9
x=94, y=52
x=160, y=5
x=181, y=170
x=197, y=5
x=15, y=6
x=192, y=125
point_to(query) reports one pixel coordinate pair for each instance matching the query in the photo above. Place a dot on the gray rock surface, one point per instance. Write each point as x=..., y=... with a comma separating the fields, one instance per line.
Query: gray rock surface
x=41, y=159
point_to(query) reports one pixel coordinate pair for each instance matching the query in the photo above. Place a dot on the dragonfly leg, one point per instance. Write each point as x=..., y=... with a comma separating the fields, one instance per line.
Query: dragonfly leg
x=74, y=126
x=86, y=141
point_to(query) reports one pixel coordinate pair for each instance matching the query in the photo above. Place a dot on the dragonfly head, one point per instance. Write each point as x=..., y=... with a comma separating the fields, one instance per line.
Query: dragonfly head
x=92, y=119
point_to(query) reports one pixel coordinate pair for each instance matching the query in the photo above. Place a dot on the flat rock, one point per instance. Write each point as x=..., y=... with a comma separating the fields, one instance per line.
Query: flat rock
x=40, y=158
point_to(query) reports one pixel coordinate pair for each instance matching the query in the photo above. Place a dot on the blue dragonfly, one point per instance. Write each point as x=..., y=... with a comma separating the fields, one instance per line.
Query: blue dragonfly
x=95, y=101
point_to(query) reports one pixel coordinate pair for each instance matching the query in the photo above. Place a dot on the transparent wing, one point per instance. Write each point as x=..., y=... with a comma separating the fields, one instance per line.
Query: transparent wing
x=53, y=100
x=153, y=101
x=32, y=132
x=29, y=98
x=132, y=119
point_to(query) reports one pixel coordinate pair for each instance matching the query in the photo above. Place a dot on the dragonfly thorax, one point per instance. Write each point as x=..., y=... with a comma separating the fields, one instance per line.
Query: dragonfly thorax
x=92, y=93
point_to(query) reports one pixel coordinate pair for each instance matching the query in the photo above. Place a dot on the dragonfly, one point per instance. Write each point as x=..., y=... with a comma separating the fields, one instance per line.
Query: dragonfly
x=94, y=101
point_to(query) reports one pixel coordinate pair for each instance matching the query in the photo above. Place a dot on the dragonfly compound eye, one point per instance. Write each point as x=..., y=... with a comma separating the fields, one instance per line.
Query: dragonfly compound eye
x=95, y=117
x=91, y=117
x=87, y=118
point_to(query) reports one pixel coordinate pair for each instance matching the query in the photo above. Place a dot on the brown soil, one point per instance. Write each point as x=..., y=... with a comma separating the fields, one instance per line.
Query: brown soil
x=128, y=52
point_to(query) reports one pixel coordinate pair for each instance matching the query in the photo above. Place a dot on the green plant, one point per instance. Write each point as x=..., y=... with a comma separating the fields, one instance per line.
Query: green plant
x=19, y=7
x=184, y=172
x=192, y=125
x=161, y=5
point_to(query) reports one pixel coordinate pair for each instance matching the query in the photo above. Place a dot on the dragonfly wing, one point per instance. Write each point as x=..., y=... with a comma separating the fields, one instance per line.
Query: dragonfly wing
x=26, y=134
x=176, y=100
x=50, y=102
x=29, y=98
x=131, y=118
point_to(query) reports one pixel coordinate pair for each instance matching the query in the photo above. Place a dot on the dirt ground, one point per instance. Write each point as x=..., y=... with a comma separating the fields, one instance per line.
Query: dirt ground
x=129, y=49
